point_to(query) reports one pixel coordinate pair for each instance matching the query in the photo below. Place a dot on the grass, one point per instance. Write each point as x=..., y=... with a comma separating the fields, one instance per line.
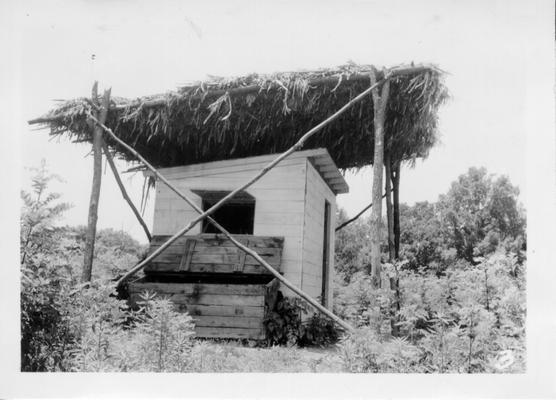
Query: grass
x=232, y=356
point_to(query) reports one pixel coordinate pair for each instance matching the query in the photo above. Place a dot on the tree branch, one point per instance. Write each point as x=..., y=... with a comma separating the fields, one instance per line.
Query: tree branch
x=349, y=221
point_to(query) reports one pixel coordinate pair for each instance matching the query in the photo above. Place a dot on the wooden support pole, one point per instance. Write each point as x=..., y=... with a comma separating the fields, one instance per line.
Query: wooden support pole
x=379, y=109
x=95, y=190
x=396, y=195
x=389, y=211
x=124, y=192
x=247, y=250
x=394, y=281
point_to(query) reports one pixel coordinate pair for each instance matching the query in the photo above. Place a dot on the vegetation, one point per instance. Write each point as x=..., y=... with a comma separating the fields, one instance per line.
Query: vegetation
x=285, y=325
x=459, y=305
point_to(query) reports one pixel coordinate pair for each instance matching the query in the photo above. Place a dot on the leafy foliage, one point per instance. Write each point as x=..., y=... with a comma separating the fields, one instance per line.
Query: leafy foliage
x=352, y=251
x=39, y=214
x=115, y=251
x=51, y=297
x=285, y=325
x=459, y=321
x=318, y=331
x=363, y=351
x=165, y=336
x=46, y=333
x=460, y=300
x=479, y=212
x=44, y=286
x=421, y=243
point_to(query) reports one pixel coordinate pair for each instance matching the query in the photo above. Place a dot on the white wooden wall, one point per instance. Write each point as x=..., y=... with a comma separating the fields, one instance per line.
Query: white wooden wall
x=289, y=203
x=313, y=240
x=279, y=206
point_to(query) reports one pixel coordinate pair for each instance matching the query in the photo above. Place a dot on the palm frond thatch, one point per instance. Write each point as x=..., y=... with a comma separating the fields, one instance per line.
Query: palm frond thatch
x=256, y=114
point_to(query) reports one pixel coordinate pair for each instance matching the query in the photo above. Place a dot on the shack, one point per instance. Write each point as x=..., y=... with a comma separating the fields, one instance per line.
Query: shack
x=288, y=217
x=252, y=163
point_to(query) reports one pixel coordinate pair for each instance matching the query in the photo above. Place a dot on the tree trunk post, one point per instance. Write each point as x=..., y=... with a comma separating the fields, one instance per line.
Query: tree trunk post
x=379, y=109
x=396, y=195
x=389, y=212
x=392, y=256
x=95, y=190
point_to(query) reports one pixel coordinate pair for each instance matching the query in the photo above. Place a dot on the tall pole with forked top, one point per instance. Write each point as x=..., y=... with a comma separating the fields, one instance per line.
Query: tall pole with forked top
x=95, y=190
x=380, y=100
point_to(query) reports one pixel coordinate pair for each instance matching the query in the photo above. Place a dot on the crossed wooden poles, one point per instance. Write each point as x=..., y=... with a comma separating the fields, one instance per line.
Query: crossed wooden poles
x=100, y=127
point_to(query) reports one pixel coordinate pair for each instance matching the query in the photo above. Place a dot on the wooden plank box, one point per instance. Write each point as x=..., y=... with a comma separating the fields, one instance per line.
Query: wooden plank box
x=219, y=310
x=227, y=293
x=214, y=254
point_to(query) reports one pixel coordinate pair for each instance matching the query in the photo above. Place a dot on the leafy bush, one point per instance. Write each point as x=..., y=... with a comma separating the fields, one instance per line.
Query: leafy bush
x=362, y=305
x=318, y=331
x=283, y=324
x=352, y=252
x=162, y=337
x=46, y=334
x=461, y=321
x=107, y=337
x=364, y=351
x=97, y=319
x=45, y=286
x=66, y=326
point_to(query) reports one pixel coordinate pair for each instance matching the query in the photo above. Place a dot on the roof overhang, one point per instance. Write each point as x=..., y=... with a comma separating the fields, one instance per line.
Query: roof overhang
x=327, y=169
x=319, y=158
x=254, y=115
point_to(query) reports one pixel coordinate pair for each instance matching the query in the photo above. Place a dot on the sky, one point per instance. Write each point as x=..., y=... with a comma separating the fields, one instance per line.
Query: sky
x=491, y=50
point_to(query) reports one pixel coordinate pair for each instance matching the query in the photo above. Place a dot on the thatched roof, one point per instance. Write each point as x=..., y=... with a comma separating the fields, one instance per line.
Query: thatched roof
x=224, y=118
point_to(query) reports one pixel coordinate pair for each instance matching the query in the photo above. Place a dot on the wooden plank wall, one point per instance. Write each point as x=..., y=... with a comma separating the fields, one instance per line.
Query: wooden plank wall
x=219, y=310
x=279, y=208
x=317, y=192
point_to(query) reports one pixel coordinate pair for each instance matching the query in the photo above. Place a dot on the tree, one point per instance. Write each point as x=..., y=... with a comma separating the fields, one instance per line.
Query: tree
x=352, y=248
x=115, y=251
x=479, y=212
x=380, y=101
x=421, y=236
x=95, y=189
x=43, y=330
x=39, y=213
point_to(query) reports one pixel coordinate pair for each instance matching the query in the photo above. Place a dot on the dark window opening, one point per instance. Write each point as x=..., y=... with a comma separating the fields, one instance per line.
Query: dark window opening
x=236, y=215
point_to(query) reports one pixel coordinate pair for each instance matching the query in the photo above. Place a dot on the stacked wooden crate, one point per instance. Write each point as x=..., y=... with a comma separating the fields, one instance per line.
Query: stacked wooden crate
x=226, y=292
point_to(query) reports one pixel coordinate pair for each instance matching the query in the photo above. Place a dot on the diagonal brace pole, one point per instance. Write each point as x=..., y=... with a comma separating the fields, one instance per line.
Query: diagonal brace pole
x=124, y=192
